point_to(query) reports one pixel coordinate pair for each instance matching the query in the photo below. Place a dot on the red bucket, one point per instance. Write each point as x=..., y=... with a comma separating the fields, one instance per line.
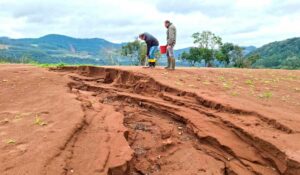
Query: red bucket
x=163, y=49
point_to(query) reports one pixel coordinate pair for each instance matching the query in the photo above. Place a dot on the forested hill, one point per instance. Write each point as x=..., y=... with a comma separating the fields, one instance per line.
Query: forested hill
x=279, y=54
x=63, y=49
x=58, y=48
x=55, y=48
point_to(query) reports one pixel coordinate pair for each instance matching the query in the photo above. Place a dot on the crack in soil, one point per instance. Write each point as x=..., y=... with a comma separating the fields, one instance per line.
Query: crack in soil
x=177, y=132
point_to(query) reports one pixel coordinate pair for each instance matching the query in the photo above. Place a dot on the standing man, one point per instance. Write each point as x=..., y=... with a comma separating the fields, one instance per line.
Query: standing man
x=171, y=41
x=152, y=47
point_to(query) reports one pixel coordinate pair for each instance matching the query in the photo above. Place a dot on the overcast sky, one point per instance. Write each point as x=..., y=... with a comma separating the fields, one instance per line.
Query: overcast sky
x=244, y=22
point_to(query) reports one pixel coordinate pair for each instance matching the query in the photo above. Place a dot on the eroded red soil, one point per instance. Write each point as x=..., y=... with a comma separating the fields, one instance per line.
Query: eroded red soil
x=135, y=121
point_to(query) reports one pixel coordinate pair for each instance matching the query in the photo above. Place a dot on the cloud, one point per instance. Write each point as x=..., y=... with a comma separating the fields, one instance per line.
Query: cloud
x=36, y=11
x=245, y=22
x=208, y=8
x=287, y=7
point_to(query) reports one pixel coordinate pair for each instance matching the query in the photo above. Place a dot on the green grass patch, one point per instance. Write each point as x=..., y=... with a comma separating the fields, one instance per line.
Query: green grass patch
x=39, y=121
x=249, y=82
x=235, y=94
x=47, y=65
x=10, y=141
x=59, y=65
x=292, y=77
x=3, y=62
x=222, y=78
x=266, y=95
x=227, y=85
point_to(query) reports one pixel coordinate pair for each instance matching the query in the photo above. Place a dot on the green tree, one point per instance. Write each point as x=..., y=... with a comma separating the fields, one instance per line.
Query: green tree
x=240, y=61
x=253, y=58
x=195, y=55
x=208, y=56
x=292, y=63
x=230, y=53
x=208, y=42
x=223, y=55
x=135, y=50
x=237, y=57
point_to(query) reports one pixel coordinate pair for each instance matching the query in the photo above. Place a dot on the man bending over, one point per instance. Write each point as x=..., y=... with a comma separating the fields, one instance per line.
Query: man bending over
x=152, y=47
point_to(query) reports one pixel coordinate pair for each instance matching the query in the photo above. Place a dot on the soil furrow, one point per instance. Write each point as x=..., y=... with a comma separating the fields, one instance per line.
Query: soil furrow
x=150, y=107
x=135, y=121
x=147, y=103
x=65, y=153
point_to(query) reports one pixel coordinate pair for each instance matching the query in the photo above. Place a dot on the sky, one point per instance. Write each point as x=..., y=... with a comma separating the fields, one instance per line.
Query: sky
x=243, y=22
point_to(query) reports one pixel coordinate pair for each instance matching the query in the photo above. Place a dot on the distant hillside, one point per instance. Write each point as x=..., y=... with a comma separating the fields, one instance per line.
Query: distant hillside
x=279, y=54
x=178, y=52
x=248, y=49
x=64, y=49
x=59, y=48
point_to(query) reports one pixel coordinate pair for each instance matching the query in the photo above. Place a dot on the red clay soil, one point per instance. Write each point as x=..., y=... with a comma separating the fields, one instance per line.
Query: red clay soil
x=135, y=121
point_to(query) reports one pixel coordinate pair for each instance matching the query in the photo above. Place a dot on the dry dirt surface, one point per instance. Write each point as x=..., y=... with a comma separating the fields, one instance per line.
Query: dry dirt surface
x=135, y=121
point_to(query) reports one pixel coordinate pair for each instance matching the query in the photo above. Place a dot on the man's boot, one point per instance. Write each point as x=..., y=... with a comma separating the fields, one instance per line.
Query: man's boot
x=169, y=64
x=173, y=63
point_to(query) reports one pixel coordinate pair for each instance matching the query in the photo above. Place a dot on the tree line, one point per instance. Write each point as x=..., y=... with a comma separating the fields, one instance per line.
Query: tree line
x=210, y=49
